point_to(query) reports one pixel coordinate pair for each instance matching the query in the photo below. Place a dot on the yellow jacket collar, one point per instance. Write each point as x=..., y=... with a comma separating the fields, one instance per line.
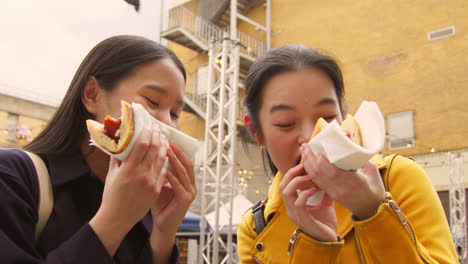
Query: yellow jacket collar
x=275, y=200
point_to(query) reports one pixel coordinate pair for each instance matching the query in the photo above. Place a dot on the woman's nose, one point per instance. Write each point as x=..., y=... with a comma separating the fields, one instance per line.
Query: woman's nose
x=165, y=117
x=305, y=133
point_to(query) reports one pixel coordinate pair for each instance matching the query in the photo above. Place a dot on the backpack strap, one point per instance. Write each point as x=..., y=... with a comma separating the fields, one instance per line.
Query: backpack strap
x=46, y=199
x=257, y=209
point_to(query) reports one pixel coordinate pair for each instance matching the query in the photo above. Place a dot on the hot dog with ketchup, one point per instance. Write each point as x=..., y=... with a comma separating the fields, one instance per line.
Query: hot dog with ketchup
x=117, y=136
x=114, y=134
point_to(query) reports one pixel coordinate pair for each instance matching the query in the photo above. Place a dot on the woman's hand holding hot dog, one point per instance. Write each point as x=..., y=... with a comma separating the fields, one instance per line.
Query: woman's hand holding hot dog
x=360, y=191
x=317, y=221
x=131, y=189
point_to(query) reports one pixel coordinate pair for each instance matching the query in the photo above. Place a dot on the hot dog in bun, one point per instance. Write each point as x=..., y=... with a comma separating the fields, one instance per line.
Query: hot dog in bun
x=117, y=137
x=114, y=134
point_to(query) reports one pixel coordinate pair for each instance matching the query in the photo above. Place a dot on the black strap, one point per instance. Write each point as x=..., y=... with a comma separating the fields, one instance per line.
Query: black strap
x=386, y=171
x=257, y=210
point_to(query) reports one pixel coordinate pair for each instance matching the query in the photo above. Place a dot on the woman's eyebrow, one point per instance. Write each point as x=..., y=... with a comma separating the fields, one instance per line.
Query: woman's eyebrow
x=157, y=88
x=279, y=107
x=325, y=101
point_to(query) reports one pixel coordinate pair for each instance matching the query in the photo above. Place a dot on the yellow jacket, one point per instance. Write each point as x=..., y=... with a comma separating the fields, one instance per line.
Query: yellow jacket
x=419, y=233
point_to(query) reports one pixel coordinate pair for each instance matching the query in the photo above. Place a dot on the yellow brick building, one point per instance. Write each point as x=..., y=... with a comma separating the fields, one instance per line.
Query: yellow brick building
x=387, y=56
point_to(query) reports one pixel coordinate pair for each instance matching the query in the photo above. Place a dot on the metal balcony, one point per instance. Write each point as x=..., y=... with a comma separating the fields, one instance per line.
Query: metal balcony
x=195, y=32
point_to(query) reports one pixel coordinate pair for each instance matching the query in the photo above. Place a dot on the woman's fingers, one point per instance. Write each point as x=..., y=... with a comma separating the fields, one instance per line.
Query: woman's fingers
x=308, y=158
x=142, y=145
x=290, y=192
x=184, y=160
x=160, y=160
x=293, y=172
x=175, y=183
x=180, y=171
x=301, y=201
x=161, y=176
x=153, y=150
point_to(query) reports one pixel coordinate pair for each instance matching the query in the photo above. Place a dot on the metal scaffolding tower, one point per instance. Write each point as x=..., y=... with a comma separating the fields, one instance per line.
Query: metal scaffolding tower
x=457, y=205
x=219, y=167
x=220, y=142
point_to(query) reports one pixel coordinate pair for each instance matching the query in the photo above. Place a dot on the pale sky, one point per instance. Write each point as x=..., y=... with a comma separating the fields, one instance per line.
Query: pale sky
x=43, y=42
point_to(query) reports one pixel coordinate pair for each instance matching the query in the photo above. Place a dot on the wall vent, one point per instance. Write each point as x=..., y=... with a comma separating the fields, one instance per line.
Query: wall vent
x=441, y=33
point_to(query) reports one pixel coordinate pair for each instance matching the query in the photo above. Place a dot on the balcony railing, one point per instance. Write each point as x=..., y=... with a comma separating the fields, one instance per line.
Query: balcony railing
x=206, y=31
x=251, y=46
x=201, y=28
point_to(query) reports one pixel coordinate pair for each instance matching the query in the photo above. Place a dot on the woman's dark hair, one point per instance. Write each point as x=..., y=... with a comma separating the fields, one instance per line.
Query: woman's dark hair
x=288, y=58
x=110, y=61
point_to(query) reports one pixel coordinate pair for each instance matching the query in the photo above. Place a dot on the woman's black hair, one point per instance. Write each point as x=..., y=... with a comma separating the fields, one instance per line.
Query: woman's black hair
x=110, y=61
x=288, y=58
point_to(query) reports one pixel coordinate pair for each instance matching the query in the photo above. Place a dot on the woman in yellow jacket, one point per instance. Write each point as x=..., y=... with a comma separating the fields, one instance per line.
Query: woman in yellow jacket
x=385, y=212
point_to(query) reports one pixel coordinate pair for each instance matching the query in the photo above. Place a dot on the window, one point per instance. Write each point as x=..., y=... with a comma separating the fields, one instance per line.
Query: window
x=400, y=130
x=12, y=122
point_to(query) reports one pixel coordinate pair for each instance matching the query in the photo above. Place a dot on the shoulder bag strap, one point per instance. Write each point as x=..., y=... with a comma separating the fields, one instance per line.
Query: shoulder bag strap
x=46, y=199
x=259, y=219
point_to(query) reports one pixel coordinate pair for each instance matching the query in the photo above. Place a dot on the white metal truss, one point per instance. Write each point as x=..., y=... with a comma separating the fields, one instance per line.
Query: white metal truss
x=219, y=183
x=457, y=205
x=216, y=245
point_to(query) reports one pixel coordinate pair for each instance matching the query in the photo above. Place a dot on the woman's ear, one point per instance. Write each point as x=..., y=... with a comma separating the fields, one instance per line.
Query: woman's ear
x=90, y=95
x=252, y=129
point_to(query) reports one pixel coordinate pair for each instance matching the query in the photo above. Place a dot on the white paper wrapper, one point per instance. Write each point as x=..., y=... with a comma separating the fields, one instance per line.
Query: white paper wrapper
x=142, y=118
x=344, y=153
